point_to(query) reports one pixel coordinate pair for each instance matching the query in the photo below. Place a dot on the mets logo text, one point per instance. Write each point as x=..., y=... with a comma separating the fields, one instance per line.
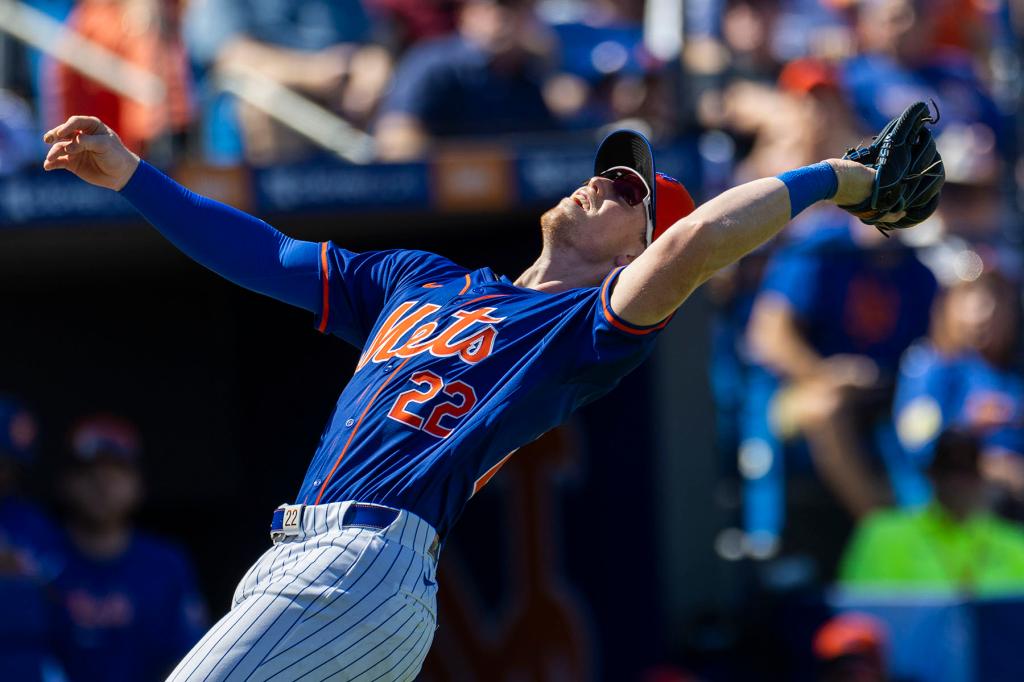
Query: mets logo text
x=463, y=337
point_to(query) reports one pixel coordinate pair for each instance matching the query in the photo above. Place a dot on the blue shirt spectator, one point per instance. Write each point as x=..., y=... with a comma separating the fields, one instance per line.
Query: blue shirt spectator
x=129, y=604
x=880, y=88
x=967, y=391
x=309, y=46
x=837, y=308
x=308, y=25
x=483, y=81
x=966, y=376
x=849, y=299
x=128, y=617
x=451, y=87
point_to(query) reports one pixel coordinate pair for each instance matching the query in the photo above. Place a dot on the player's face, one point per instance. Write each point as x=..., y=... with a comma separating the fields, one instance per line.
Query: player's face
x=598, y=221
x=103, y=492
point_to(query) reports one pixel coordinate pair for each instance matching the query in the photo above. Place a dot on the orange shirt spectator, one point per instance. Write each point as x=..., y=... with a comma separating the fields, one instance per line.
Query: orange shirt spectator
x=143, y=32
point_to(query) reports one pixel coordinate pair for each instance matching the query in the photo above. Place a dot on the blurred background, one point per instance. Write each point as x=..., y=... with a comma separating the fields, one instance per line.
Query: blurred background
x=818, y=476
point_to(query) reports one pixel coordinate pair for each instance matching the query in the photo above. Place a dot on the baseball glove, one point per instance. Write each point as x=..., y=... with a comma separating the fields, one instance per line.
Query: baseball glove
x=909, y=169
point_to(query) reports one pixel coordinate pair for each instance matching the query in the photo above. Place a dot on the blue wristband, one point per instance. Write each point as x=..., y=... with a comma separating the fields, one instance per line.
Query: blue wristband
x=808, y=185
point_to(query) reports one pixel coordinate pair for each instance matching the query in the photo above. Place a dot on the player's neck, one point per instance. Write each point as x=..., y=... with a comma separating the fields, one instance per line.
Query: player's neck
x=100, y=542
x=560, y=270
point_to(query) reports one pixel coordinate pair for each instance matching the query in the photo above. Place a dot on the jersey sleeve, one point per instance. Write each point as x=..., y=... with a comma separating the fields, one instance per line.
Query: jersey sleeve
x=607, y=346
x=355, y=287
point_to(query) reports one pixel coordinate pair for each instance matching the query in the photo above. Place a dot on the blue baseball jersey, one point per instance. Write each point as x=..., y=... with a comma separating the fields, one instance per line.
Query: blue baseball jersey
x=130, y=617
x=458, y=370
x=872, y=302
x=966, y=391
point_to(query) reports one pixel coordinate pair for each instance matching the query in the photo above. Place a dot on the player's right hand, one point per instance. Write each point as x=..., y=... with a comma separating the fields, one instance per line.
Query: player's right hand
x=90, y=150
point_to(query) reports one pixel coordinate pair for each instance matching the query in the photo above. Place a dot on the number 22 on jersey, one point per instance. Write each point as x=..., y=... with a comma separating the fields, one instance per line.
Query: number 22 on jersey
x=461, y=400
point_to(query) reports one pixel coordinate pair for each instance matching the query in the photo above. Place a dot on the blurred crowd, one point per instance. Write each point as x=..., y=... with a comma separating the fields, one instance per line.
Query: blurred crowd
x=86, y=595
x=864, y=382
x=263, y=81
x=872, y=379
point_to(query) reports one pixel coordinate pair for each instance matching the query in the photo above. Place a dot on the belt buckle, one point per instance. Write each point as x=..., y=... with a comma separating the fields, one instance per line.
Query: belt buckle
x=290, y=521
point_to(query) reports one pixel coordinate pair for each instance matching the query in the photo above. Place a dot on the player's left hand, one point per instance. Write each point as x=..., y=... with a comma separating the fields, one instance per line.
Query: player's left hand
x=88, y=148
x=856, y=183
x=908, y=172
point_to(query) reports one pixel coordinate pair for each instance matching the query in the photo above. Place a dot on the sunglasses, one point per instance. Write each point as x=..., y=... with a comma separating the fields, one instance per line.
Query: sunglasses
x=628, y=184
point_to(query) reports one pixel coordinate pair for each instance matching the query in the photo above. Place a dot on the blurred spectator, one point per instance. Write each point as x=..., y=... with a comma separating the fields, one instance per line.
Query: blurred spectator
x=901, y=62
x=130, y=604
x=748, y=28
x=30, y=555
x=836, y=310
x=839, y=304
x=407, y=22
x=314, y=47
x=850, y=647
x=952, y=546
x=963, y=24
x=803, y=119
x=965, y=377
x=977, y=214
x=485, y=80
x=604, y=71
x=145, y=34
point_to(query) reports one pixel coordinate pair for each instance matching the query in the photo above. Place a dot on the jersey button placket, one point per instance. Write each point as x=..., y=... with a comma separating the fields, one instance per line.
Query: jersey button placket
x=349, y=422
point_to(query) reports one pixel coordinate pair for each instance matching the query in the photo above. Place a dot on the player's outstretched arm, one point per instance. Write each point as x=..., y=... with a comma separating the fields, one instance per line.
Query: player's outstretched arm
x=233, y=244
x=723, y=230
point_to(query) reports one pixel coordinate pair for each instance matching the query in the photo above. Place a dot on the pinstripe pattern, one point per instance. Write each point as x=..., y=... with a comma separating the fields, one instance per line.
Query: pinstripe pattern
x=332, y=603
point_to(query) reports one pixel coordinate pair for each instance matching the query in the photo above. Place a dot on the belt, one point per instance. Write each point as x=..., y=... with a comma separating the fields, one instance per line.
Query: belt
x=287, y=521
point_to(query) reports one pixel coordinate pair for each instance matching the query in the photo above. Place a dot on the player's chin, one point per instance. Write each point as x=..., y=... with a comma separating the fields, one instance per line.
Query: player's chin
x=562, y=218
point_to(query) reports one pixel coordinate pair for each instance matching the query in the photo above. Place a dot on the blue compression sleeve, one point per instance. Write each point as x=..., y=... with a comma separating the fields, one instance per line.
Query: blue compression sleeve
x=235, y=245
x=808, y=185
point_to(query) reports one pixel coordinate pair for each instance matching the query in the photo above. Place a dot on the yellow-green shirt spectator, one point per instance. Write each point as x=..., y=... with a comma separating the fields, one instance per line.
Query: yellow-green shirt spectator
x=927, y=550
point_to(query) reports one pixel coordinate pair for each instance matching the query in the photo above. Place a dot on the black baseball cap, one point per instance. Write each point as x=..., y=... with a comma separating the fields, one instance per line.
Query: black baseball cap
x=669, y=200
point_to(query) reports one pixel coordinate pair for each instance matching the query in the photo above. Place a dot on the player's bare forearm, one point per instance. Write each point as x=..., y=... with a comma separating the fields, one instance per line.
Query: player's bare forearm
x=716, y=234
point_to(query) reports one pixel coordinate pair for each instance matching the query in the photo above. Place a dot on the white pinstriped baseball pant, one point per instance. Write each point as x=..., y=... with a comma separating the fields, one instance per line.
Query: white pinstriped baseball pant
x=331, y=603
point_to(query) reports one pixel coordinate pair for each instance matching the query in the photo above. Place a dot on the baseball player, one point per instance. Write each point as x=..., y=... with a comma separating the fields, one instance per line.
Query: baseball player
x=129, y=607
x=458, y=369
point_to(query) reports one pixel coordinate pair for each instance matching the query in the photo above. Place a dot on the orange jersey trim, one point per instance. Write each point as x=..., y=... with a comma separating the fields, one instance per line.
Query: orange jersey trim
x=465, y=288
x=480, y=298
x=614, y=319
x=326, y=306
x=483, y=480
x=355, y=429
